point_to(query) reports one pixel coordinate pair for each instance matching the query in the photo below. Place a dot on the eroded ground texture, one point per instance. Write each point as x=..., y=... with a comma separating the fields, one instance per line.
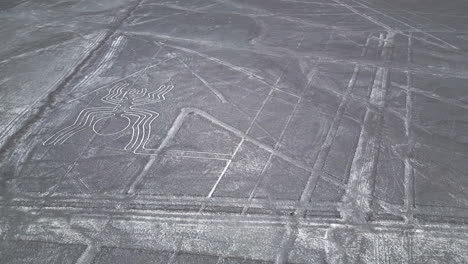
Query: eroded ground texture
x=233, y=131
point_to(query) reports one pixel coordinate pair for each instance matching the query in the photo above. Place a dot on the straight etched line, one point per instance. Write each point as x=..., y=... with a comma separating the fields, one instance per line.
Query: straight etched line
x=223, y=172
x=119, y=80
x=200, y=154
x=415, y=14
x=409, y=173
x=326, y=146
x=53, y=189
x=177, y=249
x=90, y=49
x=205, y=82
x=229, y=65
x=292, y=226
x=268, y=97
x=357, y=199
x=431, y=95
x=287, y=242
x=324, y=150
x=278, y=143
x=102, y=64
x=371, y=19
x=408, y=25
x=170, y=134
x=89, y=254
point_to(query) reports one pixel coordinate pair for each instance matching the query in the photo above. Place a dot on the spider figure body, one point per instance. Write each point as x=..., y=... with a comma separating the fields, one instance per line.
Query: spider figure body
x=126, y=106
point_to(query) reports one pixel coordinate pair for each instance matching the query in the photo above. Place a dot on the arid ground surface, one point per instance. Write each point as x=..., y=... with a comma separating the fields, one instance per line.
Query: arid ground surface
x=233, y=131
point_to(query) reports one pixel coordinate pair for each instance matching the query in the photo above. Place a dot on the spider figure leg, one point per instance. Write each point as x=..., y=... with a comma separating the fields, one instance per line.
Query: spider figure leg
x=161, y=91
x=135, y=129
x=151, y=116
x=115, y=94
x=85, y=119
x=154, y=97
x=141, y=129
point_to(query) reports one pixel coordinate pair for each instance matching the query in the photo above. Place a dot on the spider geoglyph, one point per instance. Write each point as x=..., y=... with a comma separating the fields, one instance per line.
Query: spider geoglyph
x=126, y=108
